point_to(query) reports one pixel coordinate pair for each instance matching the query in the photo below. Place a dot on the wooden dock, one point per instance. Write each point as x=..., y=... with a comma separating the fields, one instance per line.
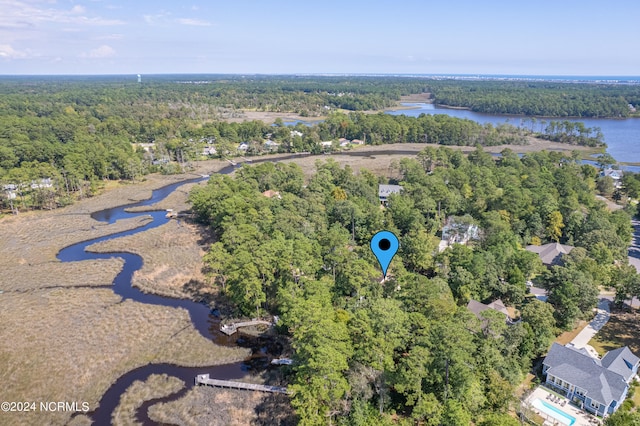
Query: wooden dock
x=230, y=329
x=203, y=379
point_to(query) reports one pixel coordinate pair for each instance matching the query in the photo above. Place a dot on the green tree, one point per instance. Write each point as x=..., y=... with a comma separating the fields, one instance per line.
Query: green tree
x=605, y=186
x=322, y=352
x=554, y=225
x=539, y=316
x=623, y=418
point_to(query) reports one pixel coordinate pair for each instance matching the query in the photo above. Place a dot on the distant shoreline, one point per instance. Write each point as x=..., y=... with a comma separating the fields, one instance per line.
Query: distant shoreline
x=199, y=78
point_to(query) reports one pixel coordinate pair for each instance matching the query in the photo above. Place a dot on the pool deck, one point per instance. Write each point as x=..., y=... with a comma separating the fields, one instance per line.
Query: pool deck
x=582, y=418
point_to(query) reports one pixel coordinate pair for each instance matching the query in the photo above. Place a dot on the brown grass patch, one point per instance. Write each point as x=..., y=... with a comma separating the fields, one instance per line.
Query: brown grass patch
x=416, y=97
x=622, y=329
x=268, y=117
x=204, y=405
x=70, y=345
x=156, y=386
x=380, y=162
x=172, y=257
x=568, y=336
x=64, y=342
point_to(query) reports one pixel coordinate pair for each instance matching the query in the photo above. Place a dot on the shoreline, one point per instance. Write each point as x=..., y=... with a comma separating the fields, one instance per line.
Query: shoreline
x=507, y=115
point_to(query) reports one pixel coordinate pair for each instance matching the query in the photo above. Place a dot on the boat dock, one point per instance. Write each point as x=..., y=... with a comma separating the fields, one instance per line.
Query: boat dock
x=203, y=379
x=230, y=329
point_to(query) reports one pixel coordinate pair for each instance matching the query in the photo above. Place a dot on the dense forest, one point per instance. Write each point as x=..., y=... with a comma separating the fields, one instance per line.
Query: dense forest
x=61, y=138
x=546, y=99
x=369, y=351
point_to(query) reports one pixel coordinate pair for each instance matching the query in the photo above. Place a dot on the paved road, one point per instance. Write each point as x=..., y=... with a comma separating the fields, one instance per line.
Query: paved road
x=634, y=248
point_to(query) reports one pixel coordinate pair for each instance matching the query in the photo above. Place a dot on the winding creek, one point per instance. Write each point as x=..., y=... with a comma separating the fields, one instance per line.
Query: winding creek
x=202, y=317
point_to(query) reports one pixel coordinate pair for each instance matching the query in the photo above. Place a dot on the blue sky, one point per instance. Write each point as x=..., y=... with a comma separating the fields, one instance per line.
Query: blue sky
x=565, y=37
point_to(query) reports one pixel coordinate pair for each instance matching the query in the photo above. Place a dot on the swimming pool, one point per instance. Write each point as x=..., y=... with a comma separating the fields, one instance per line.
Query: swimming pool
x=554, y=412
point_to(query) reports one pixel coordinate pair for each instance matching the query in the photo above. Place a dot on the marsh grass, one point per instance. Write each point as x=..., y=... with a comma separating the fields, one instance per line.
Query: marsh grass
x=70, y=345
x=172, y=257
x=204, y=405
x=156, y=386
x=65, y=341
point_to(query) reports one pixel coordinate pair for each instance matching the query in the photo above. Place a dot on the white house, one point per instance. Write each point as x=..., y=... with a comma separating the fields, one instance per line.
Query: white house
x=271, y=145
x=209, y=150
x=457, y=230
x=147, y=147
x=614, y=174
x=41, y=183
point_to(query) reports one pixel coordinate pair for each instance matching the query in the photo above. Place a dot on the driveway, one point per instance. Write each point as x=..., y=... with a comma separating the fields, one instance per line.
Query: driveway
x=587, y=333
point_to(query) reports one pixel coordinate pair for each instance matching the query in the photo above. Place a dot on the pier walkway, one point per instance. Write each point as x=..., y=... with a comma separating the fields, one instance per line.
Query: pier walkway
x=203, y=379
x=230, y=329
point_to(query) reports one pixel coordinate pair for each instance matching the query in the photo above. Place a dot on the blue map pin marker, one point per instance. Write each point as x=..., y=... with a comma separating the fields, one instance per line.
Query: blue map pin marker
x=384, y=246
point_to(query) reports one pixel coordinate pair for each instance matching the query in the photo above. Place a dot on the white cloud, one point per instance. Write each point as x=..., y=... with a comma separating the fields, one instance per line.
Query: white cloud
x=110, y=37
x=103, y=51
x=78, y=10
x=157, y=18
x=23, y=14
x=194, y=22
x=8, y=52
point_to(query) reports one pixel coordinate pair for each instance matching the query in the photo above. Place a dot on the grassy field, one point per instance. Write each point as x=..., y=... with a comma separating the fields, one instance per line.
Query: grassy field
x=172, y=256
x=66, y=341
x=204, y=405
x=156, y=386
x=70, y=345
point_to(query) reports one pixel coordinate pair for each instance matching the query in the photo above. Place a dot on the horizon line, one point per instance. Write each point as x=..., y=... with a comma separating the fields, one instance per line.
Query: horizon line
x=470, y=75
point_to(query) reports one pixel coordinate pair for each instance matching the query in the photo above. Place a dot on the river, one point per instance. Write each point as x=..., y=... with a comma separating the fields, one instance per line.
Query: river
x=622, y=136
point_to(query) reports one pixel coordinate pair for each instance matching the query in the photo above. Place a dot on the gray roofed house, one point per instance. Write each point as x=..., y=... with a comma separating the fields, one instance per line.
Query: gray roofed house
x=621, y=361
x=614, y=174
x=599, y=386
x=551, y=254
x=497, y=305
x=385, y=190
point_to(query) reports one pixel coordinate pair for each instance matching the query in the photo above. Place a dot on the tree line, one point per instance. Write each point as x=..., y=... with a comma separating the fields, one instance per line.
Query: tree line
x=542, y=99
x=81, y=131
x=407, y=349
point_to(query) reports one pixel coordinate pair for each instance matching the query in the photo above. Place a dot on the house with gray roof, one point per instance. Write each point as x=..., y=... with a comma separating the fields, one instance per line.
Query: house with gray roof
x=551, y=254
x=598, y=386
x=384, y=191
x=497, y=305
x=614, y=174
